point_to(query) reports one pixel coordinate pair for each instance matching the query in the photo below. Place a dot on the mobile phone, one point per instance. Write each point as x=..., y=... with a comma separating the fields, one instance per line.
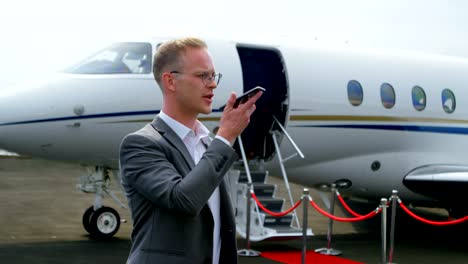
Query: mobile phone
x=245, y=97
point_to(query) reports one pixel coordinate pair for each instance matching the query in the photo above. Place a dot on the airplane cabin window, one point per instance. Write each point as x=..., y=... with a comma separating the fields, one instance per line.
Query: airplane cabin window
x=448, y=101
x=355, y=94
x=419, y=98
x=118, y=58
x=387, y=94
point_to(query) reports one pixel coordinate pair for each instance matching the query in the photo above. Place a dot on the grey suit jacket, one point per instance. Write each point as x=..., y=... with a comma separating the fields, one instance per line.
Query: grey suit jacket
x=168, y=194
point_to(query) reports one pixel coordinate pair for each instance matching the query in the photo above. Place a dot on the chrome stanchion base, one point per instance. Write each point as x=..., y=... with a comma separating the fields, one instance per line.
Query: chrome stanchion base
x=328, y=251
x=248, y=253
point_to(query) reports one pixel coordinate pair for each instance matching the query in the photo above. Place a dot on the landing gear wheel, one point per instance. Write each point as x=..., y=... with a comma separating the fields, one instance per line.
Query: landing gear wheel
x=105, y=222
x=87, y=219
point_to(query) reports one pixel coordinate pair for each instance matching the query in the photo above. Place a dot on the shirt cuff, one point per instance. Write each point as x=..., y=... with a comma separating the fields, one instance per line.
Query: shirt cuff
x=223, y=140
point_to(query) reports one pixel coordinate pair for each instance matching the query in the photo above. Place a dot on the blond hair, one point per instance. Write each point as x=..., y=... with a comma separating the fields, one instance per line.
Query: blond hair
x=169, y=55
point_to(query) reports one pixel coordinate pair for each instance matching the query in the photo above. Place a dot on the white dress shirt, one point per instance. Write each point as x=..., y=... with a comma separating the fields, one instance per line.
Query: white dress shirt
x=195, y=141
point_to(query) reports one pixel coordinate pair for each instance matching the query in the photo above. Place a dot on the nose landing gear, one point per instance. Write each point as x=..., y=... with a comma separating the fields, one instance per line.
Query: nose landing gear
x=102, y=223
x=99, y=221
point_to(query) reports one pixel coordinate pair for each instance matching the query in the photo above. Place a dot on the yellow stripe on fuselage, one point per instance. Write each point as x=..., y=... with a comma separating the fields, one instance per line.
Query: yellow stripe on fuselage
x=343, y=118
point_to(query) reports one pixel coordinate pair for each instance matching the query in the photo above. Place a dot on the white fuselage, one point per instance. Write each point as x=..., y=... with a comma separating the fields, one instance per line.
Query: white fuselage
x=83, y=117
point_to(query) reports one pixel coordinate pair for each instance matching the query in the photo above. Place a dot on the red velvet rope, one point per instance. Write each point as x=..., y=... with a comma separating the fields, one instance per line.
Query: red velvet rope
x=342, y=201
x=436, y=223
x=342, y=219
x=274, y=213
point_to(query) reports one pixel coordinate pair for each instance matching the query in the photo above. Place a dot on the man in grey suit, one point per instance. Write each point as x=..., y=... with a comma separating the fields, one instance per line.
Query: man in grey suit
x=172, y=172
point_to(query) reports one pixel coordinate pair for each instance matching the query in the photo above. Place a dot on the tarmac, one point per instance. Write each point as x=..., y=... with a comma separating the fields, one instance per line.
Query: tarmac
x=41, y=212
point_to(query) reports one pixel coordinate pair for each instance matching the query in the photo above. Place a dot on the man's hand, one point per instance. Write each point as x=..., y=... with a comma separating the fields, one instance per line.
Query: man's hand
x=235, y=120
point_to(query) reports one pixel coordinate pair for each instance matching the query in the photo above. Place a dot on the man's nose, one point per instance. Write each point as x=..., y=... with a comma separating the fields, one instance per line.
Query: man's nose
x=212, y=84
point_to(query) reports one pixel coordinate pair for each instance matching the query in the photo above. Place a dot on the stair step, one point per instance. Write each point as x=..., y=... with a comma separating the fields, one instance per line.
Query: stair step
x=264, y=189
x=274, y=222
x=259, y=177
x=287, y=229
x=272, y=204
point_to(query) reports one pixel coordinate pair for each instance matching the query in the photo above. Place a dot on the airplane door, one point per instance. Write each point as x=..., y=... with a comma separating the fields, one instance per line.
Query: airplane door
x=263, y=66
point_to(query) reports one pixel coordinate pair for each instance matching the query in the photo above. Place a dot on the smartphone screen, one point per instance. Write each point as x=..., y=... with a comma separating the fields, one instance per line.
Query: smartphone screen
x=245, y=97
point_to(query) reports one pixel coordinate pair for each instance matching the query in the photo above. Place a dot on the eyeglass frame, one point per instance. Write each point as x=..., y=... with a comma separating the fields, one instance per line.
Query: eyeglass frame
x=204, y=76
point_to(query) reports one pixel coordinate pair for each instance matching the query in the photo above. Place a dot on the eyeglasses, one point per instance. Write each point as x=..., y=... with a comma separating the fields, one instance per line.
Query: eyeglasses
x=207, y=78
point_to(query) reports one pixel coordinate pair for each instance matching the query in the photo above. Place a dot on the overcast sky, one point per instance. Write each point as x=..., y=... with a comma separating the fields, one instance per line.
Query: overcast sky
x=41, y=36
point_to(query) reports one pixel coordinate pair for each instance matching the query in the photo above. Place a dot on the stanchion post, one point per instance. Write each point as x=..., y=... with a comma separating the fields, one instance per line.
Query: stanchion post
x=329, y=250
x=392, y=226
x=248, y=252
x=305, y=206
x=383, y=205
x=247, y=224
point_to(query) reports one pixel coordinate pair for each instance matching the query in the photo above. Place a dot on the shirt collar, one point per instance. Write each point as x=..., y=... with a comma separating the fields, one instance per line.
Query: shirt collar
x=200, y=131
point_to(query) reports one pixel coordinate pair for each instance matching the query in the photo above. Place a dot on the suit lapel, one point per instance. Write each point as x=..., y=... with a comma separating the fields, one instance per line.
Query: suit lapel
x=173, y=139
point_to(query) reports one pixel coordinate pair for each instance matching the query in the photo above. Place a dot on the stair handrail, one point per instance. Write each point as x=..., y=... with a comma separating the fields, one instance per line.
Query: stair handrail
x=298, y=151
x=285, y=176
x=249, y=177
x=244, y=159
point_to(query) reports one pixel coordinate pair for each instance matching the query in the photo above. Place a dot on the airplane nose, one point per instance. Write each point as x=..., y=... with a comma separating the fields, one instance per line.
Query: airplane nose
x=3, y=140
x=3, y=119
x=17, y=105
x=1, y=145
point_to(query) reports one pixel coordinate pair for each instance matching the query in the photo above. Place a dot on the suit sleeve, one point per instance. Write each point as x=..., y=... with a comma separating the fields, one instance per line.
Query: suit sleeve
x=145, y=167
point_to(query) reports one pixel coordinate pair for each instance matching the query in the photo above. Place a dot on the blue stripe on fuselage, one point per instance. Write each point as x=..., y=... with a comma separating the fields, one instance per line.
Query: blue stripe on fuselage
x=411, y=128
x=134, y=113
x=150, y=112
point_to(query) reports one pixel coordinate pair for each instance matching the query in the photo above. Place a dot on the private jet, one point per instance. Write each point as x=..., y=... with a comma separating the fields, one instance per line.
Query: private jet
x=370, y=121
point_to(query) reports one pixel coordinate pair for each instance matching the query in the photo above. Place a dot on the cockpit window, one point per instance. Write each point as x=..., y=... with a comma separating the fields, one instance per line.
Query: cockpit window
x=118, y=58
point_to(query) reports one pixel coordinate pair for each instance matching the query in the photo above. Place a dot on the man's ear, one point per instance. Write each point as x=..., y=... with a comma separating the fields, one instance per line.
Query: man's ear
x=168, y=80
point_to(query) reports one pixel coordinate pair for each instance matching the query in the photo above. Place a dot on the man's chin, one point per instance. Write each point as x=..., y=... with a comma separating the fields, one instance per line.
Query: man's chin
x=207, y=111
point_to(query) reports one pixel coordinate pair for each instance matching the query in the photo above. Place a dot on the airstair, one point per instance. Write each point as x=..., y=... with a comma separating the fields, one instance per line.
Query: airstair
x=262, y=225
